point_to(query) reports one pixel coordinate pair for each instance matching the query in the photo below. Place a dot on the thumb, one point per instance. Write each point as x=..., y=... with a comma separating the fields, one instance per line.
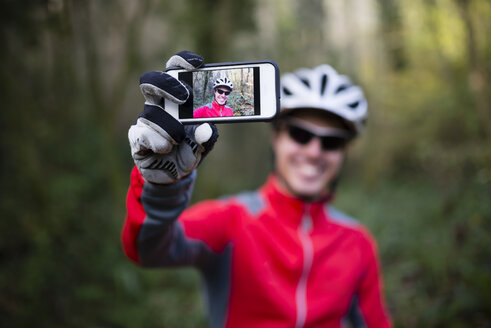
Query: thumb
x=203, y=133
x=206, y=135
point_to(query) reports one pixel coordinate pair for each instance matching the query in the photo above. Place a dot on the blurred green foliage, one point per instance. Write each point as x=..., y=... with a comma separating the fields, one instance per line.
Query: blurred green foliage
x=420, y=178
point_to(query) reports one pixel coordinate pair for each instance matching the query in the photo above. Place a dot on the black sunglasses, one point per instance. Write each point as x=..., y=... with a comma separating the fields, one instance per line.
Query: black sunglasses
x=220, y=91
x=303, y=137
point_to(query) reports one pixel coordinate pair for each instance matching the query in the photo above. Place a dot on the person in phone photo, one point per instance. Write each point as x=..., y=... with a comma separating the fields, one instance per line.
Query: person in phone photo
x=218, y=108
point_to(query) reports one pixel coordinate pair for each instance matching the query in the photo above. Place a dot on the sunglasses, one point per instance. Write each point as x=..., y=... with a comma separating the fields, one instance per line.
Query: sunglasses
x=304, y=136
x=220, y=91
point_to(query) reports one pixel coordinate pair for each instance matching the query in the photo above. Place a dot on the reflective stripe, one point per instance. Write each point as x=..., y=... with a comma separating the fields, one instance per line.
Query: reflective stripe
x=252, y=201
x=308, y=254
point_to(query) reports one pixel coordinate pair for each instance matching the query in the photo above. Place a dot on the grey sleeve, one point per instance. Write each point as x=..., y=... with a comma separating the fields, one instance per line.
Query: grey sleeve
x=161, y=241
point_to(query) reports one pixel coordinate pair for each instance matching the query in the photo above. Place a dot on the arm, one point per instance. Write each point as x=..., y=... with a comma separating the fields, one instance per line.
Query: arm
x=201, y=111
x=166, y=154
x=150, y=224
x=370, y=294
x=153, y=237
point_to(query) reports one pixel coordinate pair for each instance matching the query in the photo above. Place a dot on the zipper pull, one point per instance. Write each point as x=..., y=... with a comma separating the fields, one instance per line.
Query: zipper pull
x=308, y=254
x=306, y=220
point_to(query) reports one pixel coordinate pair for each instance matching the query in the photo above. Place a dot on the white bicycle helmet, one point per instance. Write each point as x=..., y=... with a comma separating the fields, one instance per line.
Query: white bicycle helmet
x=323, y=88
x=223, y=82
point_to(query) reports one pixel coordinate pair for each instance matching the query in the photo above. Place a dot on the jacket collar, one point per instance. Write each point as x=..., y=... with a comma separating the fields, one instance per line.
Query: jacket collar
x=290, y=207
x=216, y=105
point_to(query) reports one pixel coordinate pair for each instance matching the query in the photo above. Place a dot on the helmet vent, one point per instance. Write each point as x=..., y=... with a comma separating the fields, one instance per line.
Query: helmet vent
x=341, y=88
x=354, y=105
x=287, y=92
x=323, y=84
x=306, y=82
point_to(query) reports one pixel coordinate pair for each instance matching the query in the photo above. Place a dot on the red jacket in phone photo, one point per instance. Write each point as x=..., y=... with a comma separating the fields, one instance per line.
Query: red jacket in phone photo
x=213, y=110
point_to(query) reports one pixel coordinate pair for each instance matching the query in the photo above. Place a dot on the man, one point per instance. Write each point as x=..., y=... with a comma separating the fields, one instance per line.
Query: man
x=277, y=257
x=221, y=90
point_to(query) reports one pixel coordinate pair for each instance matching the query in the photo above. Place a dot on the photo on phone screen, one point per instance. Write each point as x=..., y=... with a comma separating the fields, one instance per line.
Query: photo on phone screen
x=222, y=93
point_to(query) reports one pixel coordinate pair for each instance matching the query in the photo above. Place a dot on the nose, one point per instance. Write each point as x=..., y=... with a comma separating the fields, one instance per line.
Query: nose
x=313, y=148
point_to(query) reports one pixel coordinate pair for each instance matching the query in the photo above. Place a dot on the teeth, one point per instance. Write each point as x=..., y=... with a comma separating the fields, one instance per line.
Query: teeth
x=309, y=169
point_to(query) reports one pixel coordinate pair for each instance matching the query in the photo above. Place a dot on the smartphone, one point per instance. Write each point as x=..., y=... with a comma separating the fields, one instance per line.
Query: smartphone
x=228, y=92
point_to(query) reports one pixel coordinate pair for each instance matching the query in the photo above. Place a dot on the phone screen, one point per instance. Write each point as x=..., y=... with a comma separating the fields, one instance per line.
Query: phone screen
x=222, y=93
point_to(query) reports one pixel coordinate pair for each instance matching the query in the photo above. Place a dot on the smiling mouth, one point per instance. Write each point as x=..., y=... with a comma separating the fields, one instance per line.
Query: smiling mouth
x=311, y=170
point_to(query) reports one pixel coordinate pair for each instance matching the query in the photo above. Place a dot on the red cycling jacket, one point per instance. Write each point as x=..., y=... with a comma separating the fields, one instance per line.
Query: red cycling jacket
x=267, y=259
x=213, y=110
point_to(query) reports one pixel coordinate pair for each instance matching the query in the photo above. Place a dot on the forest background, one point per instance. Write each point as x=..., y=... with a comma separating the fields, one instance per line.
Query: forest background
x=420, y=178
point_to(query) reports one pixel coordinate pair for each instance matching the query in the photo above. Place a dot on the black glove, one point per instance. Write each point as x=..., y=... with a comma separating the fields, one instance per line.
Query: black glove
x=163, y=149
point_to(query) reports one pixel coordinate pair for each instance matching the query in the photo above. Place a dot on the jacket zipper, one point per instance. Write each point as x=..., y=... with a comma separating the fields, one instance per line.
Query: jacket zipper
x=308, y=253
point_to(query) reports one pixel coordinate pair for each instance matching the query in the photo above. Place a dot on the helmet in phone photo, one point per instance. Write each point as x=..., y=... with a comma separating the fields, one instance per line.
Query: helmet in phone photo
x=223, y=82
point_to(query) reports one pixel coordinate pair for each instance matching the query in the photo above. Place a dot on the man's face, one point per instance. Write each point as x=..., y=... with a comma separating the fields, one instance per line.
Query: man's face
x=306, y=170
x=221, y=95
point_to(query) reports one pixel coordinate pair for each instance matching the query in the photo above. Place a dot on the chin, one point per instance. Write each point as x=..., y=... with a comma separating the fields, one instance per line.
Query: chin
x=308, y=195
x=307, y=191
